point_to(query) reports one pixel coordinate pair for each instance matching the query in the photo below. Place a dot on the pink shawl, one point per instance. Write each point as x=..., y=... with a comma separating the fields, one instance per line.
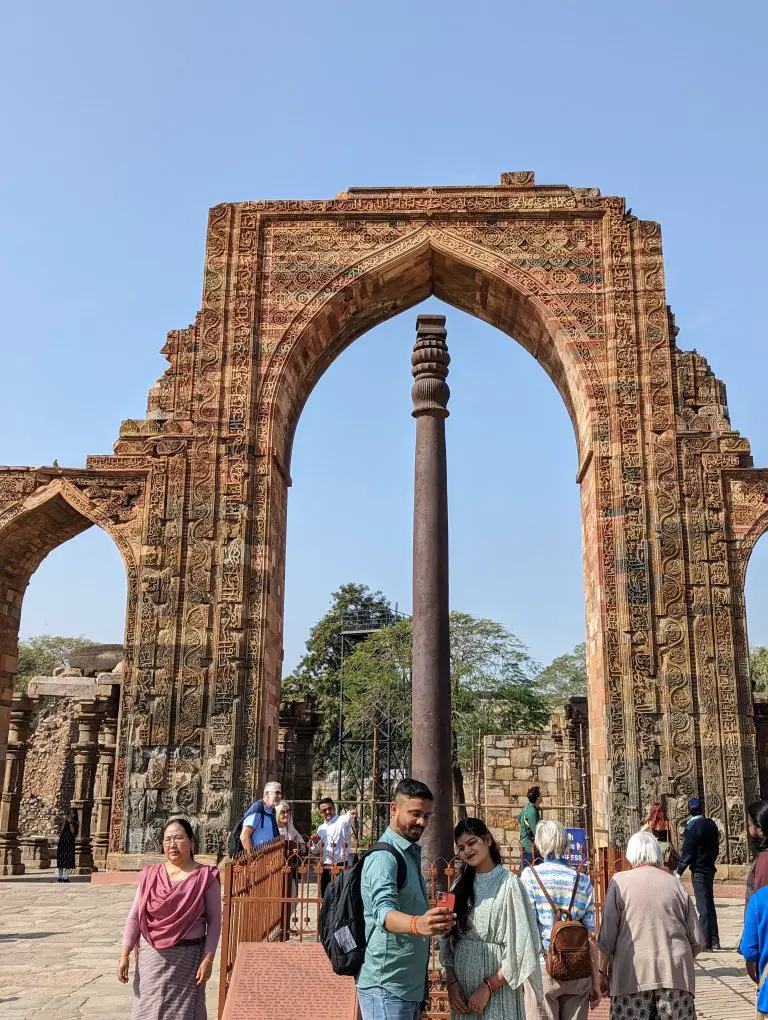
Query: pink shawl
x=169, y=909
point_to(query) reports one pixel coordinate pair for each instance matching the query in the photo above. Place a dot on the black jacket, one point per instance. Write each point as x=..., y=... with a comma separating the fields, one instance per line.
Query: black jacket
x=700, y=846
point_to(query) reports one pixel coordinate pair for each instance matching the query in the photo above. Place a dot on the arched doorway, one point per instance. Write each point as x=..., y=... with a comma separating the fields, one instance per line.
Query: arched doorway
x=515, y=534
x=433, y=261
x=51, y=515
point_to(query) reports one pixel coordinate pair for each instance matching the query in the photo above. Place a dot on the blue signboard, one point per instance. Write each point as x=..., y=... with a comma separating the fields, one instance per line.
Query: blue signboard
x=577, y=847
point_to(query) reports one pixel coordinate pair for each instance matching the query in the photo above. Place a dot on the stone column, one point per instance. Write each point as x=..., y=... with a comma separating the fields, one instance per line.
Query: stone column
x=102, y=793
x=431, y=756
x=88, y=716
x=13, y=779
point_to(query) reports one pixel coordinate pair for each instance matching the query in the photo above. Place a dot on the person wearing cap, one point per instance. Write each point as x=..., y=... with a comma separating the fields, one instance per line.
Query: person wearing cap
x=700, y=849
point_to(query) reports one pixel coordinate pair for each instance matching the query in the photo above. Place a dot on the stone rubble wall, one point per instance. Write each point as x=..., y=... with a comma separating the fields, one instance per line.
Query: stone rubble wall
x=49, y=773
x=513, y=763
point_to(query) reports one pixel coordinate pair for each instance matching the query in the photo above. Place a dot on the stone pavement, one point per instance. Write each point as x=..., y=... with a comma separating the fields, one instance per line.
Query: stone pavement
x=59, y=946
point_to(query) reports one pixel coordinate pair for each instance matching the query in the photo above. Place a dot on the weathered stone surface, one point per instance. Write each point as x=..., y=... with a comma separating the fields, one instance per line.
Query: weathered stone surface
x=195, y=495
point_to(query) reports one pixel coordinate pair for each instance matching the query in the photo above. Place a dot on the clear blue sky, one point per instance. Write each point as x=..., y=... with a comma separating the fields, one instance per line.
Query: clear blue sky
x=122, y=124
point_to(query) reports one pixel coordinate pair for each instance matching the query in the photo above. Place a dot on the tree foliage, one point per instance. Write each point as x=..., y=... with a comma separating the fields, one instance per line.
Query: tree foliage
x=496, y=686
x=565, y=677
x=40, y=655
x=492, y=682
x=758, y=667
x=316, y=678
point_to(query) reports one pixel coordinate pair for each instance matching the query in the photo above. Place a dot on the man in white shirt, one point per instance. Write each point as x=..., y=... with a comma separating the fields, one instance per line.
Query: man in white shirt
x=335, y=836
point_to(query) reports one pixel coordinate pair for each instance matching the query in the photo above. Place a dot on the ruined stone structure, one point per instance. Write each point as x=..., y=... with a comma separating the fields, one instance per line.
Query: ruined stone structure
x=69, y=761
x=556, y=760
x=195, y=495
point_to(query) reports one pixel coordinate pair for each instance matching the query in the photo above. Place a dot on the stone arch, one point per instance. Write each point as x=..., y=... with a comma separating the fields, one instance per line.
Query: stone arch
x=51, y=514
x=429, y=261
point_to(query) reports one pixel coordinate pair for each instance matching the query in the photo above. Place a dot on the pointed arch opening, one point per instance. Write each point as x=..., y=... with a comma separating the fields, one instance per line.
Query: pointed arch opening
x=432, y=261
x=50, y=517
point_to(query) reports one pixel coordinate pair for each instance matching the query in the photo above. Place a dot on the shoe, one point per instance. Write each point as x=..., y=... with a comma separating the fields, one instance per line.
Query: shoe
x=716, y=947
x=59, y=879
x=65, y=880
x=707, y=949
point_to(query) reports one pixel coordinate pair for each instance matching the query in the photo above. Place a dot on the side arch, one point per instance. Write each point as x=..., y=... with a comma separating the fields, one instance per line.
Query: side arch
x=50, y=515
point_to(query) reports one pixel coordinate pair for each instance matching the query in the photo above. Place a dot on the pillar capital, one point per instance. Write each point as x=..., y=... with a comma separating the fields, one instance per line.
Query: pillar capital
x=430, y=361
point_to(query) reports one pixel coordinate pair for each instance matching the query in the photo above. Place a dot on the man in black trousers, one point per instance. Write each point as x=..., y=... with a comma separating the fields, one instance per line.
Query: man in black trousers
x=700, y=849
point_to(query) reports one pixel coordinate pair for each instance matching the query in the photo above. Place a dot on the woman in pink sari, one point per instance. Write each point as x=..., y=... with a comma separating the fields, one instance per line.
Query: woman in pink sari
x=174, y=927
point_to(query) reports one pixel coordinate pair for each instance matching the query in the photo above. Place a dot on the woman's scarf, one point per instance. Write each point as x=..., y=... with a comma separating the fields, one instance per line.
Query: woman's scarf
x=521, y=961
x=167, y=910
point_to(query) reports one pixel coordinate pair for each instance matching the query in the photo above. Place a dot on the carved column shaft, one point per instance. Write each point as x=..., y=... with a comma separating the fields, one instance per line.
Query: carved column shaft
x=88, y=717
x=13, y=779
x=432, y=749
x=102, y=794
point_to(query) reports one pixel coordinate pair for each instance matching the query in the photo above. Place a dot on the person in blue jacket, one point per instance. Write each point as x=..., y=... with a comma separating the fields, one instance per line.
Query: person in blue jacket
x=754, y=946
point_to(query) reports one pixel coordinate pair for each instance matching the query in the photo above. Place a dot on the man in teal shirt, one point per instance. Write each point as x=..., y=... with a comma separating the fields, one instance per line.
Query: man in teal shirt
x=398, y=923
x=528, y=819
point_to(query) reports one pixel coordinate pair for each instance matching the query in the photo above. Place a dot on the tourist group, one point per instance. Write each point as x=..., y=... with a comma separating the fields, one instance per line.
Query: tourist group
x=512, y=947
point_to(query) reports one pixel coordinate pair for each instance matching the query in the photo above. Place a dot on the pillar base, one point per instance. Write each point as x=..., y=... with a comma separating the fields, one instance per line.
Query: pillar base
x=12, y=869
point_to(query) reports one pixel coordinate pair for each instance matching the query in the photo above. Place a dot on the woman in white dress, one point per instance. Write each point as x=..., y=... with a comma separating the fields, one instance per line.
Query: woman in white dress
x=494, y=945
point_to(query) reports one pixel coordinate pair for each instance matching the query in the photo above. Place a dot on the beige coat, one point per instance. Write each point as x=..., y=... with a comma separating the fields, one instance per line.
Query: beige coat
x=650, y=931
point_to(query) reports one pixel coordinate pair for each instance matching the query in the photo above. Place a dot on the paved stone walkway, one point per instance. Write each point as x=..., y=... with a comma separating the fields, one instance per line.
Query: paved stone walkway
x=59, y=946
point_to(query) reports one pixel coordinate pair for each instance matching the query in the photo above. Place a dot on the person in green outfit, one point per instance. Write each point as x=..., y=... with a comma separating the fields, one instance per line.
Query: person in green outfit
x=493, y=948
x=528, y=819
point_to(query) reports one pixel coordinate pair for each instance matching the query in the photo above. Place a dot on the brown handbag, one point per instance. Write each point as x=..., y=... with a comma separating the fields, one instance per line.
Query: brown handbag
x=569, y=956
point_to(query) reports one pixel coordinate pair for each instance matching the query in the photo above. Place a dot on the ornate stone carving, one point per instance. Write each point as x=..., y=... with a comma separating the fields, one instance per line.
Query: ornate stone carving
x=196, y=494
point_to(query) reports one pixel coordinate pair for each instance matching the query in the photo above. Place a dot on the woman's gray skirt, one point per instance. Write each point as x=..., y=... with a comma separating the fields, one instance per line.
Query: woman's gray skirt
x=164, y=984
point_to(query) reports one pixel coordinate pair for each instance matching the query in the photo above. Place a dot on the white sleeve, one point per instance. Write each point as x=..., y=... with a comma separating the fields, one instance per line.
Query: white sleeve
x=250, y=820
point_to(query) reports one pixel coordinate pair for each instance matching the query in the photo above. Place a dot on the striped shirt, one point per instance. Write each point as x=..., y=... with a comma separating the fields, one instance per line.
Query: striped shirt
x=558, y=880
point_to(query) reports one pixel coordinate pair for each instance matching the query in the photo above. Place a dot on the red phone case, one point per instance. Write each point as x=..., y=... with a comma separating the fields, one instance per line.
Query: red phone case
x=446, y=899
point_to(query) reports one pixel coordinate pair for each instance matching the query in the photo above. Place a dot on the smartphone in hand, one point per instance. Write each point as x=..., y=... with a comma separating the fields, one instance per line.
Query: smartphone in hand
x=446, y=900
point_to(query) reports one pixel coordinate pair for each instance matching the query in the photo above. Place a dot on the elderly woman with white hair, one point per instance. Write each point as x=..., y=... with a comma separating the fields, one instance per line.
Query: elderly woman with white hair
x=555, y=890
x=648, y=939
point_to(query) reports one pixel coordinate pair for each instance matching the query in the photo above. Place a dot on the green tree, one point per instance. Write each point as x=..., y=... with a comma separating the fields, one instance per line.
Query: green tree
x=564, y=677
x=492, y=681
x=40, y=655
x=758, y=667
x=316, y=678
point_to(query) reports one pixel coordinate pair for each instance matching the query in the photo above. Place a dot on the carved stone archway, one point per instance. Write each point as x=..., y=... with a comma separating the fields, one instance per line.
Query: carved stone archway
x=40, y=509
x=580, y=284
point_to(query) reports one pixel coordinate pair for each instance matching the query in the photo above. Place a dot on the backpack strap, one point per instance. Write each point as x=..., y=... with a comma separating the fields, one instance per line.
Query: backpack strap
x=555, y=909
x=573, y=894
x=402, y=867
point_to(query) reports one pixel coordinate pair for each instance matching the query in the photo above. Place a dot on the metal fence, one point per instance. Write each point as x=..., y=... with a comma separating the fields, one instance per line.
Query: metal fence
x=273, y=895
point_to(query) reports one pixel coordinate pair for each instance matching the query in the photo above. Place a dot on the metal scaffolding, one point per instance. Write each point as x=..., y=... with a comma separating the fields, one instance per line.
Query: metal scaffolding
x=371, y=762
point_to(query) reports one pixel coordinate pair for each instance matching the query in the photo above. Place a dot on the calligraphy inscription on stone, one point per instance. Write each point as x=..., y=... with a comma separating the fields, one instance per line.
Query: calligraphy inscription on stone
x=287, y=979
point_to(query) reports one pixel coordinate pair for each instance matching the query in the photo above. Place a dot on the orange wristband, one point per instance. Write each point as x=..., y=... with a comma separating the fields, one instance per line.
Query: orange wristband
x=414, y=929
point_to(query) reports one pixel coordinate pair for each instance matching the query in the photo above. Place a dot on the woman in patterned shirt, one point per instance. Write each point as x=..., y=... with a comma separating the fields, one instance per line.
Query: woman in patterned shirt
x=562, y=999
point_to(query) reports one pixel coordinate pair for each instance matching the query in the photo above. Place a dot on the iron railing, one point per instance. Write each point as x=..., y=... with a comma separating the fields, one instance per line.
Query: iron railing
x=273, y=895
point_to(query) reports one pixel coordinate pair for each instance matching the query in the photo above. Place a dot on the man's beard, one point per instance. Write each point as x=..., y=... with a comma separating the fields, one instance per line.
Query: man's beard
x=413, y=833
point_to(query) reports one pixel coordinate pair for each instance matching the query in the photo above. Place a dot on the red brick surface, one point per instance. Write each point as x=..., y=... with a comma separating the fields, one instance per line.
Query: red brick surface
x=300, y=982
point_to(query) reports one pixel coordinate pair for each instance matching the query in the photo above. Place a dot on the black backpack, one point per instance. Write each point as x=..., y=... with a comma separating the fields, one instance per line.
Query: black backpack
x=341, y=923
x=234, y=846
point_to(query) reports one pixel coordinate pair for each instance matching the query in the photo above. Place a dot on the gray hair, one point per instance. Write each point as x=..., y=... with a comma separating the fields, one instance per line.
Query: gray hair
x=551, y=839
x=273, y=786
x=644, y=848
